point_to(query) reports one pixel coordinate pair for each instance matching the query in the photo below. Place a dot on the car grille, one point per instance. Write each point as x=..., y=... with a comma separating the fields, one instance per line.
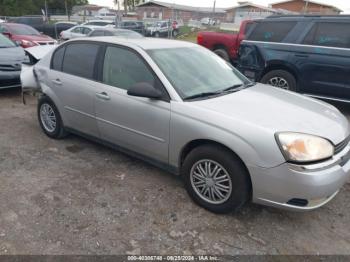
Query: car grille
x=13, y=67
x=338, y=148
x=8, y=83
x=45, y=43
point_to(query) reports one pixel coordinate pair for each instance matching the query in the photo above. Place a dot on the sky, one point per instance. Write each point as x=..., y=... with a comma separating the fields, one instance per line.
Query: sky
x=342, y=4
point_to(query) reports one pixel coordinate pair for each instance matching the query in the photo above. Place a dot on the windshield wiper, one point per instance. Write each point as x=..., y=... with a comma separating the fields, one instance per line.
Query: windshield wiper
x=200, y=95
x=238, y=87
x=233, y=88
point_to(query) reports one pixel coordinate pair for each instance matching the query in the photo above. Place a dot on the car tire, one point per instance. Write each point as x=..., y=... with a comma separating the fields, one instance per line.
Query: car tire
x=50, y=119
x=222, y=53
x=229, y=189
x=156, y=34
x=281, y=79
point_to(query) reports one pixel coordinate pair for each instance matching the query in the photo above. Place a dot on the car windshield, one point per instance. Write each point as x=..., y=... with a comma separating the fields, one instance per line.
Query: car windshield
x=157, y=24
x=195, y=71
x=23, y=30
x=5, y=42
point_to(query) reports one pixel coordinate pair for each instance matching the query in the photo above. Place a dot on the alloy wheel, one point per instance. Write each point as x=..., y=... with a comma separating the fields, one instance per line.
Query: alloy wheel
x=279, y=82
x=211, y=181
x=48, y=117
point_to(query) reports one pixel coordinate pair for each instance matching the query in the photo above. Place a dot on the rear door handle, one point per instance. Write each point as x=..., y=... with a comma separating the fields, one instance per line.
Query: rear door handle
x=57, y=82
x=103, y=96
x=302, y=55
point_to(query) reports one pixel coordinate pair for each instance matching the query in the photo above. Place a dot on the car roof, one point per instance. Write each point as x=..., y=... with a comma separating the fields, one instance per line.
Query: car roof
x=306, y=18
x=88, y=26
x=112, y=29
x=15, y=24
x=144, y=43
x=99, y=20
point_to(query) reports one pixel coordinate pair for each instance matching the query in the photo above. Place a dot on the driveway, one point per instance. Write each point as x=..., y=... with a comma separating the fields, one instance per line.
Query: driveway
x=76, y=197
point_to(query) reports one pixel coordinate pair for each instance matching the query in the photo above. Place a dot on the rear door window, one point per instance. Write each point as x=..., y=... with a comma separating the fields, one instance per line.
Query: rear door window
x=329, y=34
x=77, y=30
x=86, y=30
x=271, y=31
x=57, y=59
x=97, y=33
x=79, y=59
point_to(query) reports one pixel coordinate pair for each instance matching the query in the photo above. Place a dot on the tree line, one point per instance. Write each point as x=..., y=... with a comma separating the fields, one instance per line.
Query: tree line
x=130, y=4
x=34, y=7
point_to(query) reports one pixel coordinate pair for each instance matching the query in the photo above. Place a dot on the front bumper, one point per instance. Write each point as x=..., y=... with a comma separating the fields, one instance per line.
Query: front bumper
x=297, y=187
x=9, y=79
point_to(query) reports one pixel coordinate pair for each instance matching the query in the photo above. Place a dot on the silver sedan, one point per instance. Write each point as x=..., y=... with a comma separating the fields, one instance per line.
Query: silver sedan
x=184, y=109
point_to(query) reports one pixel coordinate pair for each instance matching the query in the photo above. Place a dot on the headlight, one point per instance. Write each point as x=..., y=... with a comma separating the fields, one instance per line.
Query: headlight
x=297, y=147
x=28, y=43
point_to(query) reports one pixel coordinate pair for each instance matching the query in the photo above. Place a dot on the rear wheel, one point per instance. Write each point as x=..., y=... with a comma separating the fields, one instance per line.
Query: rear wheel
x=281, y=79
x=49, y=119
x=222, y=53
x=216, y=179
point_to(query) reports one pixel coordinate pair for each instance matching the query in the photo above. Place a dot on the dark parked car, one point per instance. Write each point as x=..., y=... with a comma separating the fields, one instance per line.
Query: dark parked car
x=39, y=23
x=306, y=54
x=137, y=26
x=11, y=59
x=114, y=32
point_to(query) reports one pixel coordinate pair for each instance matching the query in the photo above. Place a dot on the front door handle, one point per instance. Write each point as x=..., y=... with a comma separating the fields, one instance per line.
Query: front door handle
x=103, y=96
x=57, y=82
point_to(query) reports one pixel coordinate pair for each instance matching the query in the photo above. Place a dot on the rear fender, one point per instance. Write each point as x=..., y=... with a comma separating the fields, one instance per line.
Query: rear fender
x=250, y=61
x=29, y=81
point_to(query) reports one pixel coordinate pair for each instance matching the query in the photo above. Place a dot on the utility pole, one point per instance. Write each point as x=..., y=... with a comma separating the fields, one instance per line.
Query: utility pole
x=117, y=17
x=46, y=12
x=306, y=6
x=66, y=7
x=214, y=7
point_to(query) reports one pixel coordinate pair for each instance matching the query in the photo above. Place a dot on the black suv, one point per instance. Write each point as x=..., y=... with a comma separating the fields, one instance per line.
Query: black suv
x=306, y=54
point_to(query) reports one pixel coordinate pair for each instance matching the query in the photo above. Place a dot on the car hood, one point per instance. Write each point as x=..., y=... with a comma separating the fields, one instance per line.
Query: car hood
x=275, y=110
x=39, y=52
x=11, y=54
x=33, y=37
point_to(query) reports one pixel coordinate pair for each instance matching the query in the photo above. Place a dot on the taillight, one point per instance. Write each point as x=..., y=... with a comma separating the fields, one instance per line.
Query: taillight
x=199, y=39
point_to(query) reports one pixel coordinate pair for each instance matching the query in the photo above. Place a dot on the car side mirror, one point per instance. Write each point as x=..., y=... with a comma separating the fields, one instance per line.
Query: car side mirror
x=7, y=34
x=144, y=90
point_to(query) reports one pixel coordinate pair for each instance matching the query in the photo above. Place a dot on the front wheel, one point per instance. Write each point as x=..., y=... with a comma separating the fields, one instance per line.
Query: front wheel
x=281, y=79
x=49, y=119
x=216, y=179
x=156, y=34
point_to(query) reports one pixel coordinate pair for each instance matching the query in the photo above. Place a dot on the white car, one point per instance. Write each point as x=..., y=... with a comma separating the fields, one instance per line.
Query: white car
x=101, y=23
x=76, y=31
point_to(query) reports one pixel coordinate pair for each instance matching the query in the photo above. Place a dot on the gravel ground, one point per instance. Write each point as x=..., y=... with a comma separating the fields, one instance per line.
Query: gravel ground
x=77, y=197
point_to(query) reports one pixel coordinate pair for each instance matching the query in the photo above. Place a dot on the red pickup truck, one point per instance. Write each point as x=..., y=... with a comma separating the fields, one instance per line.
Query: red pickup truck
x=225, y=45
